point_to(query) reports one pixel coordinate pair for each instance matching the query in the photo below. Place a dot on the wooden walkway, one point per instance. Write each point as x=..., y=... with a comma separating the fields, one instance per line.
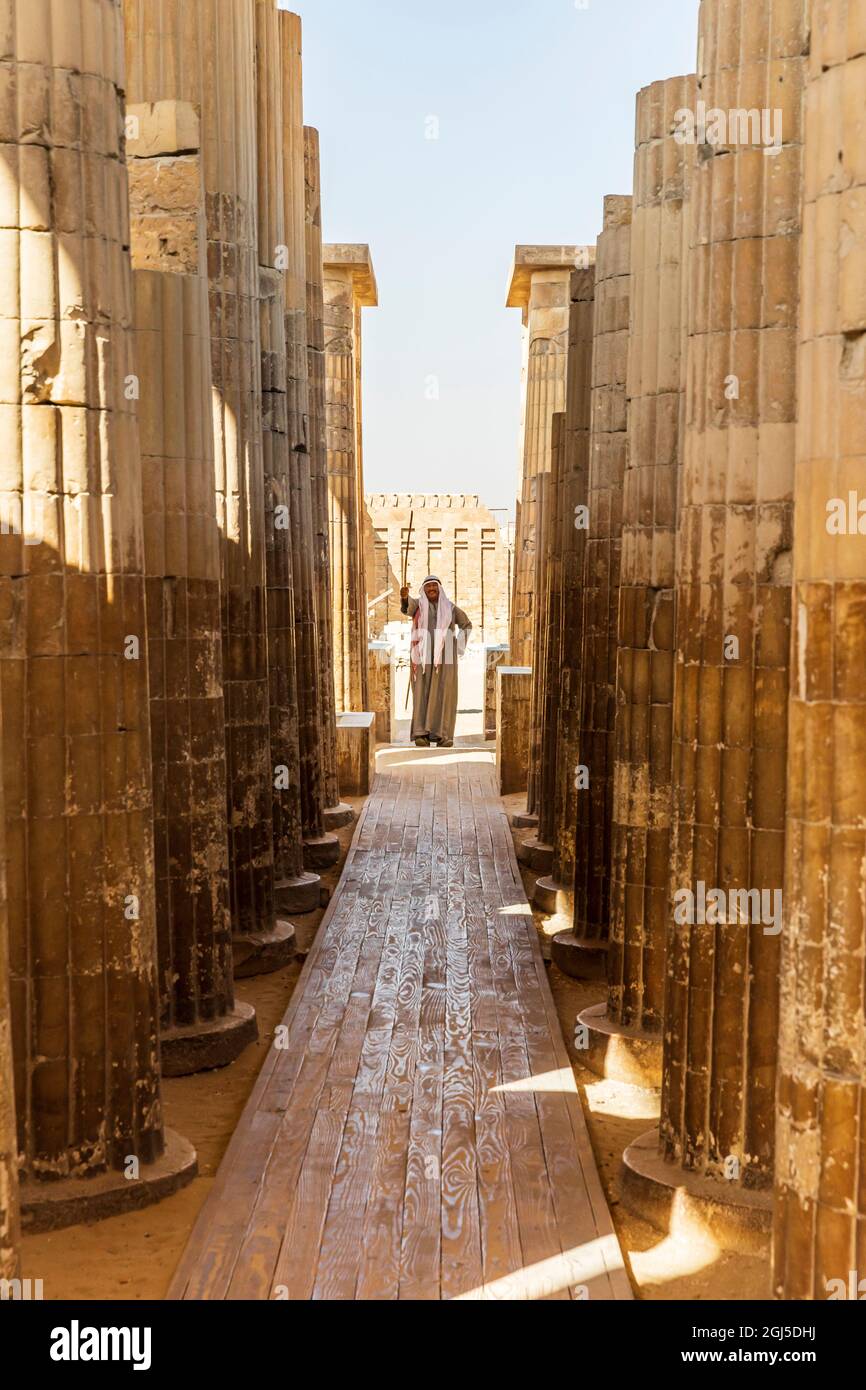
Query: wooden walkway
x=419, y=1135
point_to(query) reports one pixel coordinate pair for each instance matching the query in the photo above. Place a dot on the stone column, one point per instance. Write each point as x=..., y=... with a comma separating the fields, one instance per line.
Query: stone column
x=321, y=850
x=335, y=812
x=73, y=640
x=296, y=891
x=733, y=633
x=539, y=287
x=601, y=589
x=201, y=1024
x=513, y=700
x=820, y=1215
x=350, y=286
x=625, y=1033
x=10, y=1228
x=555, y=893
x=536, y=849
x=203, y=52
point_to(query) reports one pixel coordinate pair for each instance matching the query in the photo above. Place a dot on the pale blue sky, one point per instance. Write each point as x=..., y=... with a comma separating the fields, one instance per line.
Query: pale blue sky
x=535, y=103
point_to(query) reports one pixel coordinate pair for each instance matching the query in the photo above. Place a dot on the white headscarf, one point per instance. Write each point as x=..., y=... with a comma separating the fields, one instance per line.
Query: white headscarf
x=444, y=619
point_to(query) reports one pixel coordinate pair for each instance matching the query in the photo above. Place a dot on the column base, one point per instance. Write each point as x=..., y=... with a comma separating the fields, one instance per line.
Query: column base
x=261, y=953
x=336, y=817
x=206, y=1046
x=522, y=820
x=619, y=1053
x=297, y=896
x=553, y=898
x=691, y=1207
x=322, y=852
x=579, y=958
x=51, y=1206
x=535, y=854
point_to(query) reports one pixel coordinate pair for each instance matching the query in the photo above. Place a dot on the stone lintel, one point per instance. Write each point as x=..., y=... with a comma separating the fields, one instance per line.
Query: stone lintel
x=357, y=259
x=530, y=259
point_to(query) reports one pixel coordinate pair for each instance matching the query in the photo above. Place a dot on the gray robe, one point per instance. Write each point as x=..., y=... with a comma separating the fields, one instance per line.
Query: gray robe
x=434, y=688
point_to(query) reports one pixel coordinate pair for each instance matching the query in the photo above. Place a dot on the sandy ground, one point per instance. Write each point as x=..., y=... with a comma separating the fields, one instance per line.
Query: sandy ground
x=133, y=1257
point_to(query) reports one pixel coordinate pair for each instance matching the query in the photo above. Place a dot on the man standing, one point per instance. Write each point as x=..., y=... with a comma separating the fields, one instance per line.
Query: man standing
x=435, y=649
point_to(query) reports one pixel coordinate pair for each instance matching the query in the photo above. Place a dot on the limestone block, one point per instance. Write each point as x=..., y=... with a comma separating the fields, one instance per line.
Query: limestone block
x=494, y=656
x=161, y=127
x=382, y=687
x=356, y=753
x=513, y=703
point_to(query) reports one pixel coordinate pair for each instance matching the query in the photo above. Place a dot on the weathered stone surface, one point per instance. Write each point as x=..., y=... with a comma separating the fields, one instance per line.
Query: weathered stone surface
x=733, y=582
x=494, y=655
x=382, y=687
x=182, y=568
x=513, y=701
x=645, y=667
x=73, y=640
x=539, y=287
x=335, y=813
x=820, y=1190
x=305, y=543
x=203, y=52
x=199, y=1023
x=556, y=893
x=602, y=575
x=356, y=753
x=349, y=286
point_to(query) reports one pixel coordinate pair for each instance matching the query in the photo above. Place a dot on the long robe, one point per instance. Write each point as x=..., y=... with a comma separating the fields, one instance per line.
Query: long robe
x=434, y=688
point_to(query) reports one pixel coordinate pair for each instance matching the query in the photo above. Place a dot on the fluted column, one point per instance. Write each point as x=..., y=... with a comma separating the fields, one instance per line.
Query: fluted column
x=555, y=893
x=320, y=849
x=733, y=633
x=296, y=890
x=549, y=644
x=626, y=1032
x=820, y=1215
x=73, y=639
x=203, y=52
x=349, y=286
x=201, y=1025
x=539, y=287
x=336, y=813
x=601, y=587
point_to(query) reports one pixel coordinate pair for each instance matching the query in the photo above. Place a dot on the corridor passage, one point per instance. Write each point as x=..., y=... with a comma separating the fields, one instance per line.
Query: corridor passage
x=417, y=1133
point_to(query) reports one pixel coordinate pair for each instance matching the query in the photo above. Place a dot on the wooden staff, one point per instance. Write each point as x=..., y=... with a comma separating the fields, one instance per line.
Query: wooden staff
x=406, y=551
x=405, y=585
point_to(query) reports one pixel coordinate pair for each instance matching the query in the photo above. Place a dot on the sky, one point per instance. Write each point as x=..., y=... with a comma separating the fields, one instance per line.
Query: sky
x=532, y=104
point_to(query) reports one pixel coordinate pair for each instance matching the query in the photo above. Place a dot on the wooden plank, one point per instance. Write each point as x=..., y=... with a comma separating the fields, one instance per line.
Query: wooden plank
x=421, y=1137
